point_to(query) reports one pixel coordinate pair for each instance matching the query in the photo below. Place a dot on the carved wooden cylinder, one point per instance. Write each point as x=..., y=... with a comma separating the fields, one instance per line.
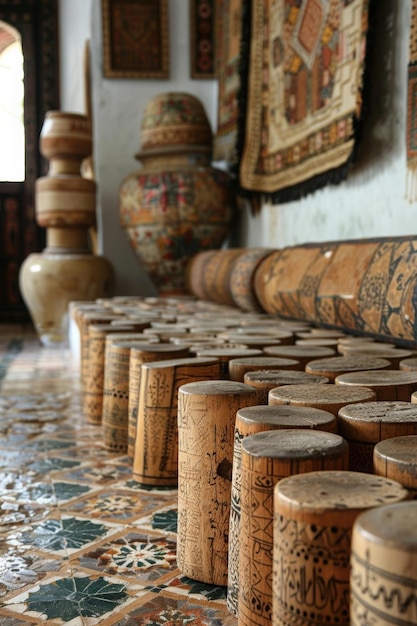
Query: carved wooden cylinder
x=139, y=354
x=383, y=577
x=313, y=519
x=155, y=456
x=249, y=421
x=396, y=459
x=206, y=423
x=327, y=397
x=335, y=366
x=388, y=385
x=267, y=458
x=364, y=425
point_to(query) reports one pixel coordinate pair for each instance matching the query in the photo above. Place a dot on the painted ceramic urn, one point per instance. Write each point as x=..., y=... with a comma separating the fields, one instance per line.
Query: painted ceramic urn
x=177, y=204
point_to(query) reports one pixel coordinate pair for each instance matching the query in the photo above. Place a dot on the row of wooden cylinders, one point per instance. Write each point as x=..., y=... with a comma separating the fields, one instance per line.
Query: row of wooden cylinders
x=272, y=470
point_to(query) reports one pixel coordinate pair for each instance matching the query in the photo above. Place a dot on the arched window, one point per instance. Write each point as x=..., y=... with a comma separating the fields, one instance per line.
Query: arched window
x=12, y=130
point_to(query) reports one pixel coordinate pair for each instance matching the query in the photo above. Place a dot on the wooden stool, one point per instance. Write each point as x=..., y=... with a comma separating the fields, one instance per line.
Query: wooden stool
x=327, y=397
x=155, y=457
x=206, y=423
x=225, y=354
x=268, y=457
x=249, y=421
x=265, y=380
x=396, y=459
x=239, y=367
x=337, y=365
x=139, y=354
x=93, y=388
x=303, y=354
x=388, y=385
x=364, y=425
x=383, y=578
x=313, y=518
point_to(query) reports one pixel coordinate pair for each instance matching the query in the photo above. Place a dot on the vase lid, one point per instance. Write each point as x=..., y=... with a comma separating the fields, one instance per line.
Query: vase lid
x=172, y=119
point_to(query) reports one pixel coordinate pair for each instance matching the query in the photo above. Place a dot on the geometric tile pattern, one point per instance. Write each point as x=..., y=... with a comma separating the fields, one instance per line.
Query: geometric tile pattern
x=81, y=542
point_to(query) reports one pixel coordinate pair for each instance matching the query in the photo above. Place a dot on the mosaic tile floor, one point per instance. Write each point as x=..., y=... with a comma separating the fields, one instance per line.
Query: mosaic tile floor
x=80, y=542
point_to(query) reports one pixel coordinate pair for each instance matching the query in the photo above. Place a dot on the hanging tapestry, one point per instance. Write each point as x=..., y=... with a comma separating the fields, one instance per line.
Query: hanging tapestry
x=412, y=108
x=304, y=96
x=231, y=20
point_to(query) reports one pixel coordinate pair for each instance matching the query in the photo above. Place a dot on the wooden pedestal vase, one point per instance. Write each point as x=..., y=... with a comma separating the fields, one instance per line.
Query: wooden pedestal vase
x=65, y=204
x=176, y=204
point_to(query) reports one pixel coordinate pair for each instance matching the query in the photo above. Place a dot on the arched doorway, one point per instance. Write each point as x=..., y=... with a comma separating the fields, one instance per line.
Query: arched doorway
x=32, y=27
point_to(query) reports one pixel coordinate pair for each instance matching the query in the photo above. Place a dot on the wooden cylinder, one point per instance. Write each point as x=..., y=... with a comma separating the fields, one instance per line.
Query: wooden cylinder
x=155, y=455
x=364, y=425
x=303, y=354
x=92, y=394
x=264, y=381
x=249, y=421
x=206, y=423
x=226, y=354
x=408, y=365
x=383, y=576
x=337, y=365
x=87, y=318
x=239, y=367
x=388, y=385
x=327, y=397
x=140, y=354
x=267, y=458
x=396, y=459
x=313, y=519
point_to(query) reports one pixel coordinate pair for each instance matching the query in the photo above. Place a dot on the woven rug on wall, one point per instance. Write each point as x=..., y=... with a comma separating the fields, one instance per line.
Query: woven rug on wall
x=306, y=61
x=231, y=19
x=411, y=191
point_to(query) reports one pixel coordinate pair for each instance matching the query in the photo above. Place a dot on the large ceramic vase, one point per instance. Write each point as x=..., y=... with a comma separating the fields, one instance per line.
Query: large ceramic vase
x=66, y=269
x=177, y=204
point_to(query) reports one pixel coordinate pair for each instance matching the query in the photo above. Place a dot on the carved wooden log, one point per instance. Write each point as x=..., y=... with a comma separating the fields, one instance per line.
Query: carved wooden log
x=364, y=425
x=242, y=276
x=249, y=421
x=313, y=519
x=94, y=381
x=155, y=455
x=387, y=384
x=396, y=459
x=383, y=578
x=239, y=367
x=87, y=318
x=268, y=457
x=206, y=422
x=366, y=286
x=264, y=381
x=327, y=397
x=337, y=365
x=208, y=275
x=140, y=354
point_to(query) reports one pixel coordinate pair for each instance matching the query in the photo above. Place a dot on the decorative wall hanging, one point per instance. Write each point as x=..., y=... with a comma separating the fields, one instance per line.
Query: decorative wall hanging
x=203, y=38
x=304, y=97
x=232, y=17
x=135, y=38
x=412, y=108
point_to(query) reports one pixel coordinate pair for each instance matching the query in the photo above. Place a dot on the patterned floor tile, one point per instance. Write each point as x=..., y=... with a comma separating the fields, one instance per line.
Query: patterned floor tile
x=75, y=599
x=164, y=520
x=113, y=505
x=18, y=570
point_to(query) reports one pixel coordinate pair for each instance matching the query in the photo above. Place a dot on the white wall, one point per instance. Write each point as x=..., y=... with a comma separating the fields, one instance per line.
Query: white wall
x=370, y=203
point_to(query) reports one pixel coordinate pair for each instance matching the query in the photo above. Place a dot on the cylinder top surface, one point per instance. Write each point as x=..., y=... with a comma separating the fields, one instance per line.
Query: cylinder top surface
x=300, y=351
x=293, y=444
x=263, y=362
x=322, y=393
x=393, y=525
x=394, y=411
x=378, y=377
x=216, y=387
x=285, y=415
x=284, y=377
x=344, y=363
x=156, y=347
x=338, y=490
x=401, y=450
